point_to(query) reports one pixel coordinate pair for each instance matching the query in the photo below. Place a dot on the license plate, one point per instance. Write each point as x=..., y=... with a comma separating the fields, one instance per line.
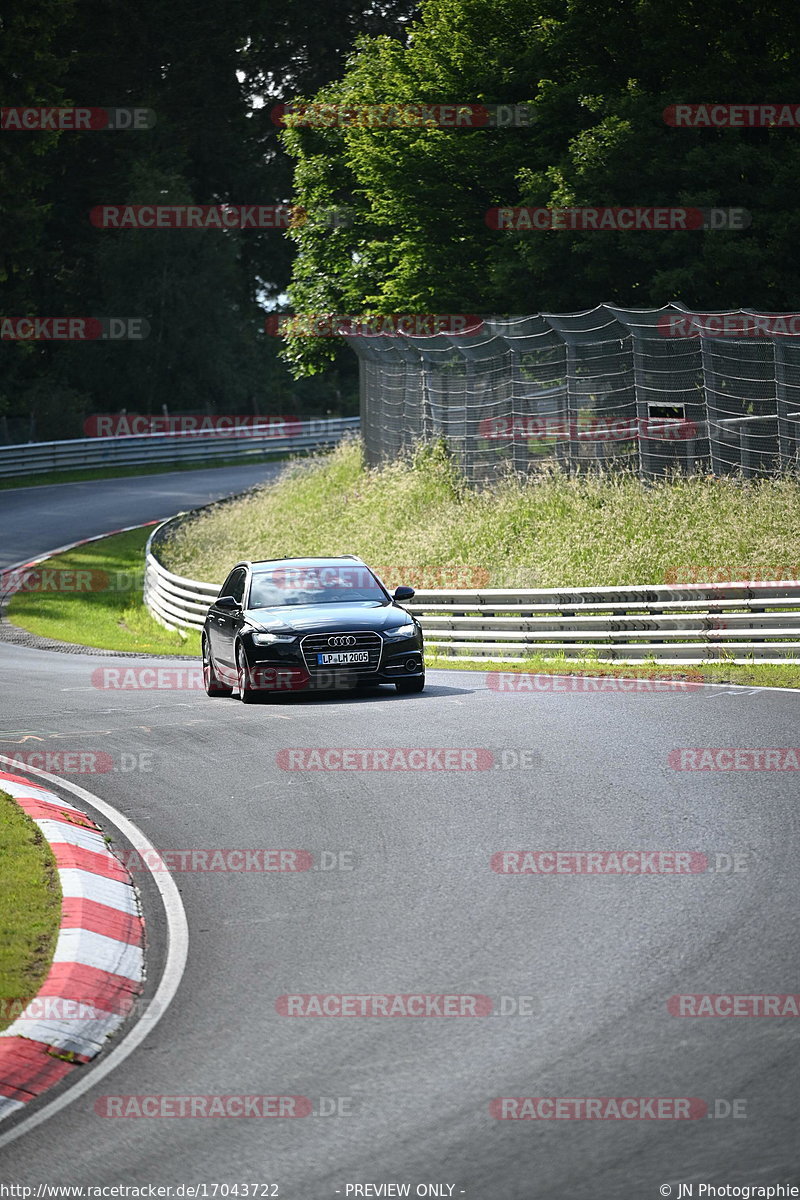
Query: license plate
x=342, y=656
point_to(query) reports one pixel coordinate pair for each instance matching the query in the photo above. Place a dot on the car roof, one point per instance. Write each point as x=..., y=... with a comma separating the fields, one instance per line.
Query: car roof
x=271, y=563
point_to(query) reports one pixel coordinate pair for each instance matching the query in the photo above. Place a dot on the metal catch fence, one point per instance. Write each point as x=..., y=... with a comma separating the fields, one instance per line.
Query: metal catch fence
x=653, y=390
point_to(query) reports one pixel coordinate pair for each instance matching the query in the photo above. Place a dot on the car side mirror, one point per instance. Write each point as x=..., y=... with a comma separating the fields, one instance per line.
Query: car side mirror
x=402, y=593
x=228, y=603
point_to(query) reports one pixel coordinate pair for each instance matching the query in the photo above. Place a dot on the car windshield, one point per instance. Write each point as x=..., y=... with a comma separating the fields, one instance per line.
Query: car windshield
x=312, y=584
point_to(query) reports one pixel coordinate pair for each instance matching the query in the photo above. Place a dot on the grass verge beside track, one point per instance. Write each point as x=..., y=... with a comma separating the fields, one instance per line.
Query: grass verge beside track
x=785, y=675
x=30, y=908
x=112, y=615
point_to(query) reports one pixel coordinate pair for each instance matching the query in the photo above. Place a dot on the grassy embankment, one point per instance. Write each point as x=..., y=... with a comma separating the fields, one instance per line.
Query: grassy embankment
x=111, y=615
x=418, y=523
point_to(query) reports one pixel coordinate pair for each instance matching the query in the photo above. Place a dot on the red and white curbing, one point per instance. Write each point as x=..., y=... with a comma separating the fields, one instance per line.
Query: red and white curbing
x=98, y=964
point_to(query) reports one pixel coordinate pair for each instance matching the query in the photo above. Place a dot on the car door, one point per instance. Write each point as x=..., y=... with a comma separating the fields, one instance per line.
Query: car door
x=225, y=622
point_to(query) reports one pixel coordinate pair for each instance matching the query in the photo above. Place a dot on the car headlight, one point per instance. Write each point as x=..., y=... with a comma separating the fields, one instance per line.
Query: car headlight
x=402, y=631
x=268, y=639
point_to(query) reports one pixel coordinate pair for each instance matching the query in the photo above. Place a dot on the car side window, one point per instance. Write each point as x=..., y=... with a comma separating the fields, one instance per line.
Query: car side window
x=234, y=585
x=237, y=587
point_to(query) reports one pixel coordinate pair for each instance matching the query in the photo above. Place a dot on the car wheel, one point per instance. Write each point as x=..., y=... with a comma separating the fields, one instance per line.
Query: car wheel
x=211, y=681
x=247, y=694
x=409, y=686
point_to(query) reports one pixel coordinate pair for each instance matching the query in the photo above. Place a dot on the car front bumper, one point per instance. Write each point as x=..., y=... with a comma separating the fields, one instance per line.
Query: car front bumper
x=287, y=668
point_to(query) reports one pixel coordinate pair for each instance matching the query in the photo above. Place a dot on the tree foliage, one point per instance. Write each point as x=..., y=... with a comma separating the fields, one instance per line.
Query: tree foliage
x=200, y=67
x=600, y=74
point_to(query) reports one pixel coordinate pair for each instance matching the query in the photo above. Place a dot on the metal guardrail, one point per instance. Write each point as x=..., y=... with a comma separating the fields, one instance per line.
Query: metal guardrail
x=153, y=448
x=736, y=622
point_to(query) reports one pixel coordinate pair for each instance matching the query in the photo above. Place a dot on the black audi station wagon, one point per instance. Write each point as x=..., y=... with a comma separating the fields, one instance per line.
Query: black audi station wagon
x=294, y=624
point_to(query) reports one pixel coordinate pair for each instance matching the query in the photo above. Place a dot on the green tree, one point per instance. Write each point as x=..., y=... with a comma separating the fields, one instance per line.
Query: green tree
x=599, y=74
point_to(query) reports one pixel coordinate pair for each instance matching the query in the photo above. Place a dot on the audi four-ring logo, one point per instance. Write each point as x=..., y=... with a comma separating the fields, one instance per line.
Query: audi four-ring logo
x=342, y=641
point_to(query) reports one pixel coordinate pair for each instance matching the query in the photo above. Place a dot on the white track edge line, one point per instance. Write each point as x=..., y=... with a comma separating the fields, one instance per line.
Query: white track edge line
x=174, y=966
x=745, y=687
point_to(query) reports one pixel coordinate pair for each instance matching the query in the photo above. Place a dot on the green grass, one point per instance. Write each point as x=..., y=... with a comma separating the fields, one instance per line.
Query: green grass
x=411, y=520
x=30, y=907
x=755, y=674
x=123, y=472
x=111, y=619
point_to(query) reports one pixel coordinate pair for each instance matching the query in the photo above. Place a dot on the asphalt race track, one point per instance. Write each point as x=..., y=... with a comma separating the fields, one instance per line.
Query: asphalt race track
x=595, y=958
x=37, y=519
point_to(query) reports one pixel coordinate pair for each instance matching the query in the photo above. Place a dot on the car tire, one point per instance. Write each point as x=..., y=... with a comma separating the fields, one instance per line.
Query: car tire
x=408, y=687
x=211, y=681
x=247, y=694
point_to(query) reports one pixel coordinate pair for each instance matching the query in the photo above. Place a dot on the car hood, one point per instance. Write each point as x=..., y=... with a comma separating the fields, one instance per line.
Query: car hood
x=321, y=618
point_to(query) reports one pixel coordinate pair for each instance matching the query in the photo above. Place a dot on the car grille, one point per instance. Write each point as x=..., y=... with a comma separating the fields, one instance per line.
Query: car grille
x=318, y=643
